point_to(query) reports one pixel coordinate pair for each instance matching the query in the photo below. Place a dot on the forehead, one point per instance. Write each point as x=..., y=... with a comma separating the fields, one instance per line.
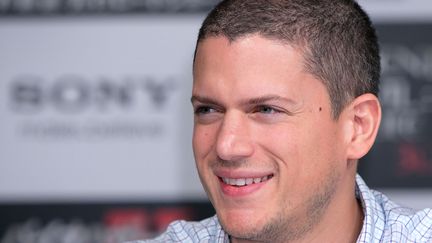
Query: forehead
x=250, y=46
x=250, y=65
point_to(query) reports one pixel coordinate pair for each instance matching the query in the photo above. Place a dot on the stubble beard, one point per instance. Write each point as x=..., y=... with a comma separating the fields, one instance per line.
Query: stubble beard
x=288, y=228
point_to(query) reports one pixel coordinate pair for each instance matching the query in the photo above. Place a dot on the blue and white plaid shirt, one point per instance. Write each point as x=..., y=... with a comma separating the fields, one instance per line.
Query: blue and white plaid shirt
x=384, y=221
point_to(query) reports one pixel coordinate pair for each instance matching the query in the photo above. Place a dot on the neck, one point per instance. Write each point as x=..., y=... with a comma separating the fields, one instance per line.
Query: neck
x=341, y=223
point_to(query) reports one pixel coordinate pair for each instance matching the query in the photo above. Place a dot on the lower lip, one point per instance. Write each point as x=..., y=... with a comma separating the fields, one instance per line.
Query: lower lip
x=240, y=191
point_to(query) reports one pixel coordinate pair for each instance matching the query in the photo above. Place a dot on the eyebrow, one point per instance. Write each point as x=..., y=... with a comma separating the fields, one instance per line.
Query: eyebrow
x=205, y=100
x=252, y=101
x=266, y=98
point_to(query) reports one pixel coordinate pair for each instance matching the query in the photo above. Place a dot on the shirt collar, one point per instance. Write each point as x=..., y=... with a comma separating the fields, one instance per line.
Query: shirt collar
x=373, y=223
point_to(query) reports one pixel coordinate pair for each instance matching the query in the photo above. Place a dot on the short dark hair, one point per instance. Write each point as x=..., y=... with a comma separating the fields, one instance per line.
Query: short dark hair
x=338, y=41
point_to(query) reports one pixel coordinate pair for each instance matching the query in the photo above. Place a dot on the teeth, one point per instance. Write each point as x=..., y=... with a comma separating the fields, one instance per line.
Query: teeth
x=244, y=181
x=240, y=182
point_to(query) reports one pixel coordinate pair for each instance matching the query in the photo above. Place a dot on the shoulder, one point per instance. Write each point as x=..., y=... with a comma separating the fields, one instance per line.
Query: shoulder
x=207, y=230
x=402, y=222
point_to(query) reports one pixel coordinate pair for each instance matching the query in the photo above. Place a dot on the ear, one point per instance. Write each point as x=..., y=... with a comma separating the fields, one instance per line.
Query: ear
x=365, y=117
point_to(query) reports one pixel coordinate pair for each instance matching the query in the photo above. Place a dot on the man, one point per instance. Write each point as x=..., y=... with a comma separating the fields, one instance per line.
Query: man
x=285, y=100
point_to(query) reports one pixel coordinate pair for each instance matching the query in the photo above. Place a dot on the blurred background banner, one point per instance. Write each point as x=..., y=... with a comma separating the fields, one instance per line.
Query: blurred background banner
x=96, y=121
x=402, y=156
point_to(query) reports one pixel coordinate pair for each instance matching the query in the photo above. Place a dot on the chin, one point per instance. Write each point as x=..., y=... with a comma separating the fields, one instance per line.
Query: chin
x=242, y=231
x=241, y=224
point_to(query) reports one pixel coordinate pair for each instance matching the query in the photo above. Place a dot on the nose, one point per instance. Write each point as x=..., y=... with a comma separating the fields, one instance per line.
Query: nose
x=233, y=140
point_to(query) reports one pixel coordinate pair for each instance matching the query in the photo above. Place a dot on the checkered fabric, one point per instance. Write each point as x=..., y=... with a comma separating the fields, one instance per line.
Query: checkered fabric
x=384, y=221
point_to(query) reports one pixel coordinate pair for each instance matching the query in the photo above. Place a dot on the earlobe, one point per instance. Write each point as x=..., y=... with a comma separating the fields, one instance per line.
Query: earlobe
x=365, y=118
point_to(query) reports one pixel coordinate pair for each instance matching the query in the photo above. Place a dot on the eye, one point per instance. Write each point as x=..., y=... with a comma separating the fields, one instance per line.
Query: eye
x=205, y=114
x=268, y=114
x=264, y=109
x=202, y=110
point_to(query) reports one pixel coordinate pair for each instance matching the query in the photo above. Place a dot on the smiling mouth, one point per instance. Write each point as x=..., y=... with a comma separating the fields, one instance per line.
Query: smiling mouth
x=240, y=182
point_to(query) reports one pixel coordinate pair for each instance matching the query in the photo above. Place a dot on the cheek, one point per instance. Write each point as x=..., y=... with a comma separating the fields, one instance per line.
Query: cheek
x=202, y=141
x=322, y=150
x=302, y=150
x=283, y=141
x=200, y=144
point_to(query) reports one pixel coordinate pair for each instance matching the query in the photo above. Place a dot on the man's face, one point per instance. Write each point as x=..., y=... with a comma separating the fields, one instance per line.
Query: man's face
x=269, y=154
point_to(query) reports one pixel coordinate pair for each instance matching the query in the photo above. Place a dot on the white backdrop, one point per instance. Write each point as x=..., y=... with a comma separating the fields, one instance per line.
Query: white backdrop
x=63, y=136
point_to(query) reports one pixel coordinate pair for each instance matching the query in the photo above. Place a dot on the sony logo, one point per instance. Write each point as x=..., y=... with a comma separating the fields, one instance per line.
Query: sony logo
x=29, y=94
